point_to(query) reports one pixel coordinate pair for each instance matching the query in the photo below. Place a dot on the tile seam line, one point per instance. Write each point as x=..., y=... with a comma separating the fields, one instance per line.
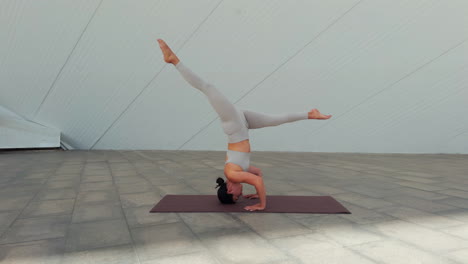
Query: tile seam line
x=124, y=215
x=69, y=225
x=18, y=218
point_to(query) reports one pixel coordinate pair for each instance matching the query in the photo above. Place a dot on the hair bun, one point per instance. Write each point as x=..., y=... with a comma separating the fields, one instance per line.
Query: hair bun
x=220, y=182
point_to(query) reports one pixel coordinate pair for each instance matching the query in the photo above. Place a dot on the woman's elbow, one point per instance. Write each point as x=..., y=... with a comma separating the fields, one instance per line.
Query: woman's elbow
x=258, y=181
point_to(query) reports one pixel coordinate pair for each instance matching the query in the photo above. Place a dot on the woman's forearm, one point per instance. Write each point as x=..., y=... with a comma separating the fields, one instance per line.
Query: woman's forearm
x=260, y=187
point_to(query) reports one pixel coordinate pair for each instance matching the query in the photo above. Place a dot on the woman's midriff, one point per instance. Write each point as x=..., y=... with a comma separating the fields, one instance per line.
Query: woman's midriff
x=242, y=146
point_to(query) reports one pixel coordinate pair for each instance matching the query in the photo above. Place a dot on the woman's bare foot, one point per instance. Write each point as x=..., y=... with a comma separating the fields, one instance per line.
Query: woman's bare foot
x=315, y=114
x=255, y=207
x=169, y=55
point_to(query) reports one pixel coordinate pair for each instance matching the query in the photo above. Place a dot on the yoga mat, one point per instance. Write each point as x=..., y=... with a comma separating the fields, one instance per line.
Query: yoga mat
x=275, y=204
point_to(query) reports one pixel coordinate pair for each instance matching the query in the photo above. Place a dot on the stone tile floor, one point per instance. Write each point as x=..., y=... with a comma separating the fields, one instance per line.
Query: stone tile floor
x=92, y=207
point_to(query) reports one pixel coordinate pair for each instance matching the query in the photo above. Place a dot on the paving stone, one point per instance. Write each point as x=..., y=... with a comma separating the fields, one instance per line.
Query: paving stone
x=459, y=255
x=210, y=222
x=97, y=196
x=362, y=200
x=420, y=217
x=14, y=203
x=154, y=242
x=35, y=252
x=89, y=235
x=36, y=229
x=247, y=244
x=420, y=204
x=394, y=251
x=273, y=225
x=135, y=188
x=97, y=212
x=349, y=235
x=149, y=199
x=421, y=186
x=402, y=205
x=57, y=194
x=456, y=214
x=315, y=248
x=202, y=257
x=458, y=202
x=176, y=189
x=7, y=217
x=360, y=215
x=96, y=178
x=48, y=208
x=110, y=255
x=140, y=217
x=456, y=193
x=418, y=236
x=97, y=186
x=458, y=231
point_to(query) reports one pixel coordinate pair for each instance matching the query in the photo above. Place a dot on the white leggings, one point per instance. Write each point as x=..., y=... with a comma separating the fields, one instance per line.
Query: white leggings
x=235, y=122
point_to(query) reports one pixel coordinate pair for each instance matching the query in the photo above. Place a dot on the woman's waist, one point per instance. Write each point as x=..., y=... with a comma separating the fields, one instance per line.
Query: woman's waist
x=242, y=146
x=238, y=157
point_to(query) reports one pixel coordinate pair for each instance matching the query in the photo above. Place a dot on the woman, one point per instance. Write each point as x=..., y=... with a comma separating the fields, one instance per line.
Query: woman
x=236, y=123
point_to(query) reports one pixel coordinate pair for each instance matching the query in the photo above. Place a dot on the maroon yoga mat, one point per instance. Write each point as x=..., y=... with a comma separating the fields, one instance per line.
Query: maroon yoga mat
x=275, y=204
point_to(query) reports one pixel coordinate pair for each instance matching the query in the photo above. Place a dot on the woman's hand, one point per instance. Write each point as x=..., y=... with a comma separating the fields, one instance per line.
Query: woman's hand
x=251, y=196
x=252, y=179
x=255, y=207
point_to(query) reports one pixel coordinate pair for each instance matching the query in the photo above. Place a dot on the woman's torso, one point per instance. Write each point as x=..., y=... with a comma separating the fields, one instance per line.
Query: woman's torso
x=242, y=146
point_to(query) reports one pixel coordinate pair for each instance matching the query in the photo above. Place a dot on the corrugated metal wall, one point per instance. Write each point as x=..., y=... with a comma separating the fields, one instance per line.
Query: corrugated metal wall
x=393, y=73
x=16, y=132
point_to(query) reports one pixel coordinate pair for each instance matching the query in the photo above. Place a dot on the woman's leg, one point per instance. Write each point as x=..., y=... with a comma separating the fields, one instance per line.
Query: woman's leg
x=225, y=109
x=227, y=112
x=259, y=120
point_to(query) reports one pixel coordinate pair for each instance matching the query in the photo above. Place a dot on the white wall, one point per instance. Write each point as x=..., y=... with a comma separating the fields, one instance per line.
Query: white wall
x=15, y=132
x=392, y=73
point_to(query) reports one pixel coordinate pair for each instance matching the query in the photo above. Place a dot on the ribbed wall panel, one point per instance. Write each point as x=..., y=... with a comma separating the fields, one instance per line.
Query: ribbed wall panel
x=235, y=49
x=392, y=73
x=370, y=50
x=36, y=38
x=16, y=132
x=115, y=60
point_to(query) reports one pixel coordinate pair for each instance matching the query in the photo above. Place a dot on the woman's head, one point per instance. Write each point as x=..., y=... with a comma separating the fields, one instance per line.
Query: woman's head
x=228, y=193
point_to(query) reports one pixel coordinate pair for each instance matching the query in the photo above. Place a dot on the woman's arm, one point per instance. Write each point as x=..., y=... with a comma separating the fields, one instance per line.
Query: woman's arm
x=252, y=179
x=258, y=172
x=255, y=171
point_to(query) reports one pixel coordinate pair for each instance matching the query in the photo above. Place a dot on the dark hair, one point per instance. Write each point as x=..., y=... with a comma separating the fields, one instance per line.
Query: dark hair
x=223, y=196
